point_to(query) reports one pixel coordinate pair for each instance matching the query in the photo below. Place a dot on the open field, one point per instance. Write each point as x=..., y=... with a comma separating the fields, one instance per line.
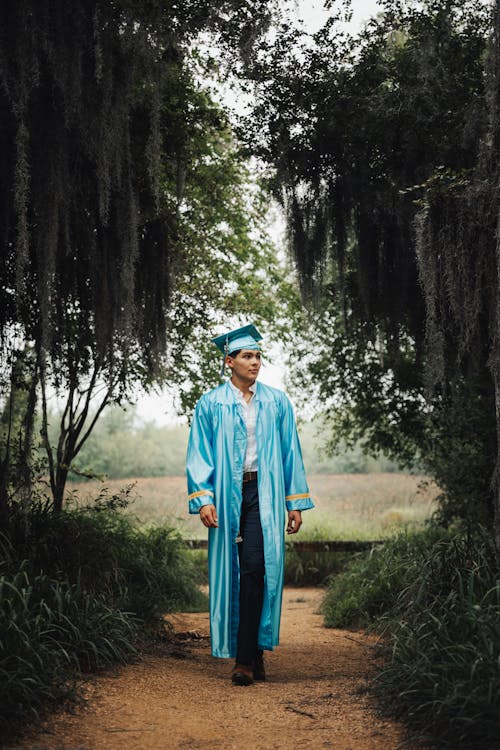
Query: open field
x=348, y=506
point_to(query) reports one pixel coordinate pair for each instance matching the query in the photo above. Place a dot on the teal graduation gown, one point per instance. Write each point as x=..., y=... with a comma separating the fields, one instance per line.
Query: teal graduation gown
x=214, y=467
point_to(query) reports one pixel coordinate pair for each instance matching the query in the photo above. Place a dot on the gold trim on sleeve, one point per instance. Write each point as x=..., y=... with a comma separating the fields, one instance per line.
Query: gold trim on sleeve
x=201, y=492
x=298, y=497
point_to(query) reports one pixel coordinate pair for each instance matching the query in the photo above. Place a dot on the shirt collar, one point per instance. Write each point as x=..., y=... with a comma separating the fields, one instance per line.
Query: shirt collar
x=237, y=391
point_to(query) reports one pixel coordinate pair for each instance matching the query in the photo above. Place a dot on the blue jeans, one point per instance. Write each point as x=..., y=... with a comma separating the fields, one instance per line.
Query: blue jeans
x=251, y=556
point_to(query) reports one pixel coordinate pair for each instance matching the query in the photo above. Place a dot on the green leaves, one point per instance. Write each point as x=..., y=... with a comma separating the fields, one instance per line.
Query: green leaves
x=227, y=272
x=436, y=598
x=59, y=619
x=126, y=227
x=371, y=141
x=49, y=630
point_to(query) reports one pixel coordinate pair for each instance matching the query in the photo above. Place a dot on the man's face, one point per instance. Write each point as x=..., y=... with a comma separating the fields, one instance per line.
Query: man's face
x=246, y=364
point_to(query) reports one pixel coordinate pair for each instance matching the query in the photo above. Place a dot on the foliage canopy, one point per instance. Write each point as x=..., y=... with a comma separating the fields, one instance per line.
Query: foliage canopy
x=124, y=201
x=358, y=136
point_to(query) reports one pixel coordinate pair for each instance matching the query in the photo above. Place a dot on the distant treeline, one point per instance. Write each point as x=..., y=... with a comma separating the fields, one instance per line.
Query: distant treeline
x=123, y=445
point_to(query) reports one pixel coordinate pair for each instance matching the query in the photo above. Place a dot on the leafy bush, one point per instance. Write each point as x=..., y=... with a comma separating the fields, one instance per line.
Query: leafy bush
x=142, y=570
x=51, y=630
x=76, y=588
x=372, y=582
x=312, y=567
x=436, y=596
x=445, y=665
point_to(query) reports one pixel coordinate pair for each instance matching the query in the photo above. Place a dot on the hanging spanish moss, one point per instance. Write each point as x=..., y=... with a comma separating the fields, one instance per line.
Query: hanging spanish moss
x=359, y=131
x=70, y=225
x=94, y=145
x=100, y=117
x=458, y=249
x=353, y=128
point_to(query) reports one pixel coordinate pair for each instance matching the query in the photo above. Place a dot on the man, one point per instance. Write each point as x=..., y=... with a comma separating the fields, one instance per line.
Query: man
x=244, y=467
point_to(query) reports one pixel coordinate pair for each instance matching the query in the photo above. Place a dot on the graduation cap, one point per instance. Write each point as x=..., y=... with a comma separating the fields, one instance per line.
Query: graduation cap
x=246, y=337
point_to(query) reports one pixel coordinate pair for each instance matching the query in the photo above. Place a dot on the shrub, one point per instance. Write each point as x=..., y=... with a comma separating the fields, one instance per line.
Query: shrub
x=76, y=588
x=440, y=611
x=444, y=669
x=142, y=570
x=161, y=576
x=372, y=582
x=50, y=631
x=312, y=567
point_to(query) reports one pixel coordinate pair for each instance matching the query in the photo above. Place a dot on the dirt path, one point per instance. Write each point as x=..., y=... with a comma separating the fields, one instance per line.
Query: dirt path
x=315, y=696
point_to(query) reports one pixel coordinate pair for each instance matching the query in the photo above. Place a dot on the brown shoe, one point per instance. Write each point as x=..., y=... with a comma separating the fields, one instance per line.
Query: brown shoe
x=258, y=670
x=241, y=675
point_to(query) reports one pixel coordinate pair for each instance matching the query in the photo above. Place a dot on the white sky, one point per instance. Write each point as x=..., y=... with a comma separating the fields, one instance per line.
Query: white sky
x=159, y=408
x=313, y=14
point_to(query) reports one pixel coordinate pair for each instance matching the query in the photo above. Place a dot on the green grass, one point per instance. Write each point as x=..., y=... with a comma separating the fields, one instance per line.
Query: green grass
x=373, y=580
x=435, y=596
x=77, y=590
x=51, y=631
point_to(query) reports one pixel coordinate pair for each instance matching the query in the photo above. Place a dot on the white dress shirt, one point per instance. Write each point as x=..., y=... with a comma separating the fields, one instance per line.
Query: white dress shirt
x=249, y=415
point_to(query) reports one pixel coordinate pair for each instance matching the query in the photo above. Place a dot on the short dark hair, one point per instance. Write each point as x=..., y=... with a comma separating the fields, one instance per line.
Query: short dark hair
x=235, y=353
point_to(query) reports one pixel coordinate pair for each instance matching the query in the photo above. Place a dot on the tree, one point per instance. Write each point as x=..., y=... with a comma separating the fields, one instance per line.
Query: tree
x=95, y=100
x=225, y=270
x=355, y=134
x=458, y=250
x=17, y=424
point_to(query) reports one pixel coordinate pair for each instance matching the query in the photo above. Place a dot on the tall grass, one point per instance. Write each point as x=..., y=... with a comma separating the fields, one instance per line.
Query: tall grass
x=436, y=598
x=77, y=589
x=372, y=582
x=142, y=569
x=347, y=506
x=50, y=632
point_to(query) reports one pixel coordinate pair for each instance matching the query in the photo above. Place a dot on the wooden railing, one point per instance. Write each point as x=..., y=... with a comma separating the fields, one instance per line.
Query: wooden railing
x=309, y=546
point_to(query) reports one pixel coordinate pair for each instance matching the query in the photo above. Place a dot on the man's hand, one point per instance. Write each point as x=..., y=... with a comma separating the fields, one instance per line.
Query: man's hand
x=294, y=521
x=208, y=515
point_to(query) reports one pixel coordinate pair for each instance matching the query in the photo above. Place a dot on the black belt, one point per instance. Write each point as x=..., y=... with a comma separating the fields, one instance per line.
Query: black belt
x=249, y=475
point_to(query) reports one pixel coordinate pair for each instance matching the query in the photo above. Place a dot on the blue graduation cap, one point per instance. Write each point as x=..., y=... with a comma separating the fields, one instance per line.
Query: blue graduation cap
x=246, y=337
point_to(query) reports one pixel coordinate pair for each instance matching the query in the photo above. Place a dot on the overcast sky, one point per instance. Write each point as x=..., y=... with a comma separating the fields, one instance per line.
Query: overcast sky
x=313, y=14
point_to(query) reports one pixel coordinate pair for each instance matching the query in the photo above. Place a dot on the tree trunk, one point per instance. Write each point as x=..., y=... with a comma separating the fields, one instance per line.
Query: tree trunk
x=494, y=161
x=25, y=469
x=495, y=368
x=496, y=474
x=494, y=364
x=76, y=425
x=5, y=464
x=60, y=486
x=4, y=498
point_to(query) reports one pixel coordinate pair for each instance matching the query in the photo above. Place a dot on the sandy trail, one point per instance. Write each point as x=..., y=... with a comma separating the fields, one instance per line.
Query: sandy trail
x=315, y=696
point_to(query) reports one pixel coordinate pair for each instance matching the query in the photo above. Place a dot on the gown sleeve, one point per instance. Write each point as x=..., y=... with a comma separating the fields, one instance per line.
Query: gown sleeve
x=297, y=495
x=200, y=460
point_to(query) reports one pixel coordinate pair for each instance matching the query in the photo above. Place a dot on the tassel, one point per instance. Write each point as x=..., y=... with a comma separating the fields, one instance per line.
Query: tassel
x=226, y=352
